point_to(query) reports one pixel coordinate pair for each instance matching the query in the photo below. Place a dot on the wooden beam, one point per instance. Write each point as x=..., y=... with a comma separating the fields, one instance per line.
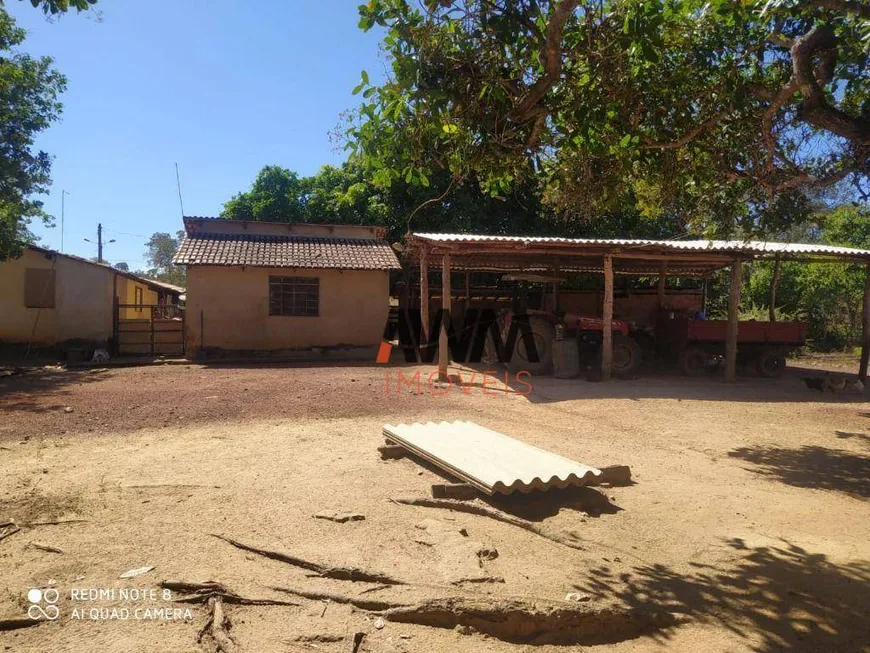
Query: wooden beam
x=733, y=318
x=774, y=282
x=607, y=320
x=424, y=292
x=865, y=328
x=663, y=280
x=443, y=349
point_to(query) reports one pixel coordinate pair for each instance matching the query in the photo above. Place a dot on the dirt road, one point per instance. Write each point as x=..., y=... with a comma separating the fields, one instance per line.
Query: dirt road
x=749, y=521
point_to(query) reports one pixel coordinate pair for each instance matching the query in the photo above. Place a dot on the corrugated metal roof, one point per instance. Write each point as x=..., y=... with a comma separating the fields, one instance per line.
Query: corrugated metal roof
x=739, y=246
x=490, y=461
x=152, y=283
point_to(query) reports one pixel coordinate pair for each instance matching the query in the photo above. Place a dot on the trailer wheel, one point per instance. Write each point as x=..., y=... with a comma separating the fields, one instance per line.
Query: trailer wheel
x=627, y=356
x=542, y=335
x=694, y=361
x=770, y=363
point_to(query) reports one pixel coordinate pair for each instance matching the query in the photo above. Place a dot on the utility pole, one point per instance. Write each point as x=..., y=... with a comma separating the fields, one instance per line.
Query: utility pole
x=99, y=242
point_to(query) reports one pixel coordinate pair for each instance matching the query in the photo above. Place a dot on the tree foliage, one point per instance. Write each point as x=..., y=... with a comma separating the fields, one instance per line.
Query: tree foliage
x=719, y=114
x=29, y=90
x=159, y=250
x=53, y=7
x=348, y=195
x=827, y=295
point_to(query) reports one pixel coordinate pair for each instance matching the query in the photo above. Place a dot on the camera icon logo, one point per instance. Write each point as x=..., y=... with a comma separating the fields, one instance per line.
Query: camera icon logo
x=43, y=604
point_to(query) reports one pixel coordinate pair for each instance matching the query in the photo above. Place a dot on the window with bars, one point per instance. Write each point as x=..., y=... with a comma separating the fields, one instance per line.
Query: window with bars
x=298, y=296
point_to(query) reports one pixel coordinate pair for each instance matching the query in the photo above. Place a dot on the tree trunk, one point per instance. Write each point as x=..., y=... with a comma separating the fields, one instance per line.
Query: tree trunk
x=774, y=282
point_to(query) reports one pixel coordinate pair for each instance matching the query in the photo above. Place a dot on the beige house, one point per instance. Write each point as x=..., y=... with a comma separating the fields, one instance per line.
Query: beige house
x=284, y=287
x=48, y=298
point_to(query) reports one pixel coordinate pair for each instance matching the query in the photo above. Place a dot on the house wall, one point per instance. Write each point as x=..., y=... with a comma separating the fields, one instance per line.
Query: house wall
x=83, y=301
x=127, y=295
x=228, y=308
x=281, y=228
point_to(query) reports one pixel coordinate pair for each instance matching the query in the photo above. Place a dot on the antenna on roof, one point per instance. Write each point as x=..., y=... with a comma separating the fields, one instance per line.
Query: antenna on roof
x=178, y=184
x=63, y=194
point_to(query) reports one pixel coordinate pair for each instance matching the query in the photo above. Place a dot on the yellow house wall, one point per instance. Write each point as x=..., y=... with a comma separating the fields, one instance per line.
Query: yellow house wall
x=127, y=295
x=228, y=308
x=83, y=301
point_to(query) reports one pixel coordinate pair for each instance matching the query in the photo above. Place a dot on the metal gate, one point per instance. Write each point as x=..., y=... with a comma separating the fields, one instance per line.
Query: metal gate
x=149, y=330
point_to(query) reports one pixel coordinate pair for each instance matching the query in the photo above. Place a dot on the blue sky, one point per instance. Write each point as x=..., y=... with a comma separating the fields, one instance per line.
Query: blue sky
x=222, y=87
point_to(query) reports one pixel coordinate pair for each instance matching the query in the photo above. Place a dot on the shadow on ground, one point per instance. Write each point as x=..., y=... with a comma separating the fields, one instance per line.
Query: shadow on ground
x=863, y=438
x=776, y=598
x=662, y=383
x=23, y=389
x=813, y=467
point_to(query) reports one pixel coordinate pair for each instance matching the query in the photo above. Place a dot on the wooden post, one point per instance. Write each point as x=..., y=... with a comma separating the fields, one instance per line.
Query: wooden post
x=774, y=282
x=443, y=349
x=467, y=290
x=733, y=317
x=424, y=293
x=663, y=280
x=556, y=291
x=865, y=329
x=607, y=320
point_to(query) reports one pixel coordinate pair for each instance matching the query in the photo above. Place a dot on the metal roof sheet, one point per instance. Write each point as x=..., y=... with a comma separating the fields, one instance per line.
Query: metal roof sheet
x=490, y=461
x=748, y=246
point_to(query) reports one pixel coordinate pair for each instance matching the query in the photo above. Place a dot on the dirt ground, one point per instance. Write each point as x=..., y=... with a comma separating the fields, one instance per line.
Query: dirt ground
x=748, y=521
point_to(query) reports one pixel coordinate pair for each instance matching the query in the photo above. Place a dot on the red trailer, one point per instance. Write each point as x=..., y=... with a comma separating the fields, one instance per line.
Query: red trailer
x=698, y=343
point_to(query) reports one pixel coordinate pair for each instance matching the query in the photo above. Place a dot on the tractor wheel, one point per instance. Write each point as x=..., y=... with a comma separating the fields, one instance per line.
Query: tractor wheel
x=539, y=341
x=770, y=363
x=627, y=356
x=694, y=361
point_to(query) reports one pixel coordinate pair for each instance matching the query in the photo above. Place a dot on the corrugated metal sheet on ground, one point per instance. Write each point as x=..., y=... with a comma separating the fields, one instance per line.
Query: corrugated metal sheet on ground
x=490, y=461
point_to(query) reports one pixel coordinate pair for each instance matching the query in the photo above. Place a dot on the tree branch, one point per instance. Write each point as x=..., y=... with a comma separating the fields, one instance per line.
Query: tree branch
x=855, y=7
x=807, y=179
x=689, y=135
x=814, y=108
x=552, y=58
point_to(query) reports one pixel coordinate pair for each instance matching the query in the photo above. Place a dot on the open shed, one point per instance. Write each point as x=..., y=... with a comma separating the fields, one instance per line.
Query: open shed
x=663, y=258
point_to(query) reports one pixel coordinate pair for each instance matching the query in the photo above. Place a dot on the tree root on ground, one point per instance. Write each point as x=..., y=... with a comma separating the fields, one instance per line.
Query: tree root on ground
x=202, y=592
x=14, y=624
x=492, y=513
x=517, y=620
x=8, y=528
x=338, y=573
x=533, y=620
x=214, y=635
x=372, y=605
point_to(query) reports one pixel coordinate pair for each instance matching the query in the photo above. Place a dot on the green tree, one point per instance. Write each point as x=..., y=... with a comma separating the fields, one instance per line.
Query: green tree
x=827, y=295
x=122, y=266
x=52, y=7
x=29, y=90
x=159, y=250
x=348, y=195
x=720, y=112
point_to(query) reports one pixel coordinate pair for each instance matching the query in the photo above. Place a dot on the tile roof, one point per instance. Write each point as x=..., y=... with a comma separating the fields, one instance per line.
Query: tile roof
x=290, y=251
